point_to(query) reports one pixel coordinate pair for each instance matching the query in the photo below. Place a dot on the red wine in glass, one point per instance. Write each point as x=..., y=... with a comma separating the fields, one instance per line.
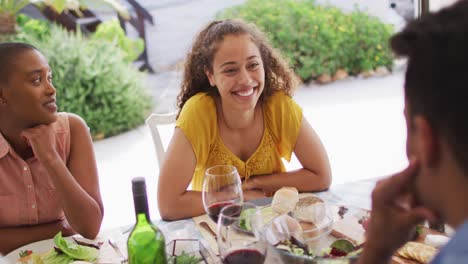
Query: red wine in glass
x=244, y=255
x=214, y=210
x=222, y=186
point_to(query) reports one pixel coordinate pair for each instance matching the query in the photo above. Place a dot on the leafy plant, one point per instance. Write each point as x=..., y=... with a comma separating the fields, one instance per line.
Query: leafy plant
x=94, y=80
x=12, y=6
x=111, y=31
x=9, y=9
x=317, y=39
x=34, y=27
x=76, y=5
x=185, y=258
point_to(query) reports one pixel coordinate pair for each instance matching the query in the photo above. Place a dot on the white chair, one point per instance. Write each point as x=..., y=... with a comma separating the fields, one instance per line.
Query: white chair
x=153, y=121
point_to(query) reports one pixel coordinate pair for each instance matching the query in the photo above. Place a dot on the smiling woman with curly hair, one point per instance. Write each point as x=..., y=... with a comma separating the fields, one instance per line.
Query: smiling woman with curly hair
x=236, y=109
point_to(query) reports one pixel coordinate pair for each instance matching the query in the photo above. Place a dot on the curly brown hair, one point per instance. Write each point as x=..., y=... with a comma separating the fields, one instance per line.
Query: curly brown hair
x=278, y=75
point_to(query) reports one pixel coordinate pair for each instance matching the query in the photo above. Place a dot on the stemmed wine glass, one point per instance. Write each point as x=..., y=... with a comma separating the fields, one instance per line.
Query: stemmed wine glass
x=221, y=186
x=239, y=234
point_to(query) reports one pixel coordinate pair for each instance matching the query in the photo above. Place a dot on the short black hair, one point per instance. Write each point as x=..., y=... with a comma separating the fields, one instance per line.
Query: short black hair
x=436, y=82
x=8, y=52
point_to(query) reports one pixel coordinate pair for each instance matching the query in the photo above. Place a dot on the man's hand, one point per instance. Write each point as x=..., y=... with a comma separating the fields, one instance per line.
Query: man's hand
x=394, y=215
x=41, y=138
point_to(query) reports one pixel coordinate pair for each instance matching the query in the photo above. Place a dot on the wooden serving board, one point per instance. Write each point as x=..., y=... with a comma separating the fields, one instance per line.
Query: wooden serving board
x=349, y=226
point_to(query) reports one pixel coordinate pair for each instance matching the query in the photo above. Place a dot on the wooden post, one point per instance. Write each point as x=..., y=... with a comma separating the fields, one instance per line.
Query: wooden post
x=424, y=7
x=138, y=22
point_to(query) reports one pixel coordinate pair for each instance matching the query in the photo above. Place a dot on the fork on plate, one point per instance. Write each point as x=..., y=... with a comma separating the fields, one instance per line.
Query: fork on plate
x=113, y=244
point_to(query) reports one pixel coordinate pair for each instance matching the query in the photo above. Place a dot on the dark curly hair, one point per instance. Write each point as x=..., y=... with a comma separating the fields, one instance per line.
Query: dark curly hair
x=278, y=76
x=436, y=82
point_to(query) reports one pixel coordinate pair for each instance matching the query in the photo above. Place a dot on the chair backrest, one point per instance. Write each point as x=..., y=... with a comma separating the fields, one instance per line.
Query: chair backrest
x=153, y=121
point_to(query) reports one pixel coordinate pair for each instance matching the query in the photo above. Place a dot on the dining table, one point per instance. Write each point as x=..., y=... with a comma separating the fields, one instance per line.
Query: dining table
x=190, y=235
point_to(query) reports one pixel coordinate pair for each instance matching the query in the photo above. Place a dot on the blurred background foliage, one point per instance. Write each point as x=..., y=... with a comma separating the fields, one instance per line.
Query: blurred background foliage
x=319, y=39
x=94, y=76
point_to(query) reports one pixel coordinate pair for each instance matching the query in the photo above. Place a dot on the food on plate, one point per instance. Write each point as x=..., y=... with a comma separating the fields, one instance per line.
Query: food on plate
x=436, y=241
x=315, y=215
x=349, y=228
x=309, y=209
x=301, y=225
x=266, y=216
x=289, y=234
x=294, y=246
x=338, y=249
x=283, y=228
x=342, y=210
x=285, y=200
x=64, y=251
x=417, y=251
x=25, y=253
x=364, y=221
x=350, y=223
x=341, y=248
x=308, y=200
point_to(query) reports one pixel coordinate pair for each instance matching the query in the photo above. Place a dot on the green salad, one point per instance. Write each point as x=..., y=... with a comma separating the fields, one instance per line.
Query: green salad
x=267, y=215
x=338, y=249
x=185, y=258
x=64, y=252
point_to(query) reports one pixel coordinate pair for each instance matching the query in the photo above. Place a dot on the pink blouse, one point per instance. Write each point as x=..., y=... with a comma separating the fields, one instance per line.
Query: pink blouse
x=27, y=194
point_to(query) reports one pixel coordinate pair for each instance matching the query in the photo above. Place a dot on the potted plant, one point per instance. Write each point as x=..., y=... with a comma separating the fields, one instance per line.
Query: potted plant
x=10, y=8
x=76, y=5
x=8, y=11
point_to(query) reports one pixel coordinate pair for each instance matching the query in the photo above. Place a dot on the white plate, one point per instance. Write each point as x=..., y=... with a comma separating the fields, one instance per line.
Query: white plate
x=36, y=247
x=106, y=253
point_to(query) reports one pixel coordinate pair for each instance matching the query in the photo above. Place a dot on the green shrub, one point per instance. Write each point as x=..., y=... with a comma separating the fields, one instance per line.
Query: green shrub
x=34, y=27
x=111, y=31
x=317, y=39
x=94, y=81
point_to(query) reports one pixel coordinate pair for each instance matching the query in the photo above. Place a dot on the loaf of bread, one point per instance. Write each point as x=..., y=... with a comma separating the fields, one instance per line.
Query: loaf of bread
x=310, y=209
x=285, y=200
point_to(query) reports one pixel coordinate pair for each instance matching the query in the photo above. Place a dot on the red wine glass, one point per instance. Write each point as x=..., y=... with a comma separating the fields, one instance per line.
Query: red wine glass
x=221, y=186
x=239, y=239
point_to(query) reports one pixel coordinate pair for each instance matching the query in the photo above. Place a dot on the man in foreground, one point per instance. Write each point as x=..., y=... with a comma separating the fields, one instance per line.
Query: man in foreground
x=435, y=184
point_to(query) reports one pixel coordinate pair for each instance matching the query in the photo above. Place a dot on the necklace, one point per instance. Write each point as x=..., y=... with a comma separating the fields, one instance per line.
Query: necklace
x=251, y=123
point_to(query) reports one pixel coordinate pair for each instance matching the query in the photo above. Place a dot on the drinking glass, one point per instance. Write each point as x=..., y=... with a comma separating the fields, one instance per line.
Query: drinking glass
x=221, y=186
x=239, y=234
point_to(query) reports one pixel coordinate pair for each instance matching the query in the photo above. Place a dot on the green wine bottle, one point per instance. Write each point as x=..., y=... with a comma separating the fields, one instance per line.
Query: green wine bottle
x=145, y=243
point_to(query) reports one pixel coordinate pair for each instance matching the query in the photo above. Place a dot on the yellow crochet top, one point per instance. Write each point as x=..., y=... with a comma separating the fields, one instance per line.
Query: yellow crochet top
x=282, y=121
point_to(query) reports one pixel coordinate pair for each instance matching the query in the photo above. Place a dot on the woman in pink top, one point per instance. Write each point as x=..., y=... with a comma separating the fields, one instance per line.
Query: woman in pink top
x=48, y=175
